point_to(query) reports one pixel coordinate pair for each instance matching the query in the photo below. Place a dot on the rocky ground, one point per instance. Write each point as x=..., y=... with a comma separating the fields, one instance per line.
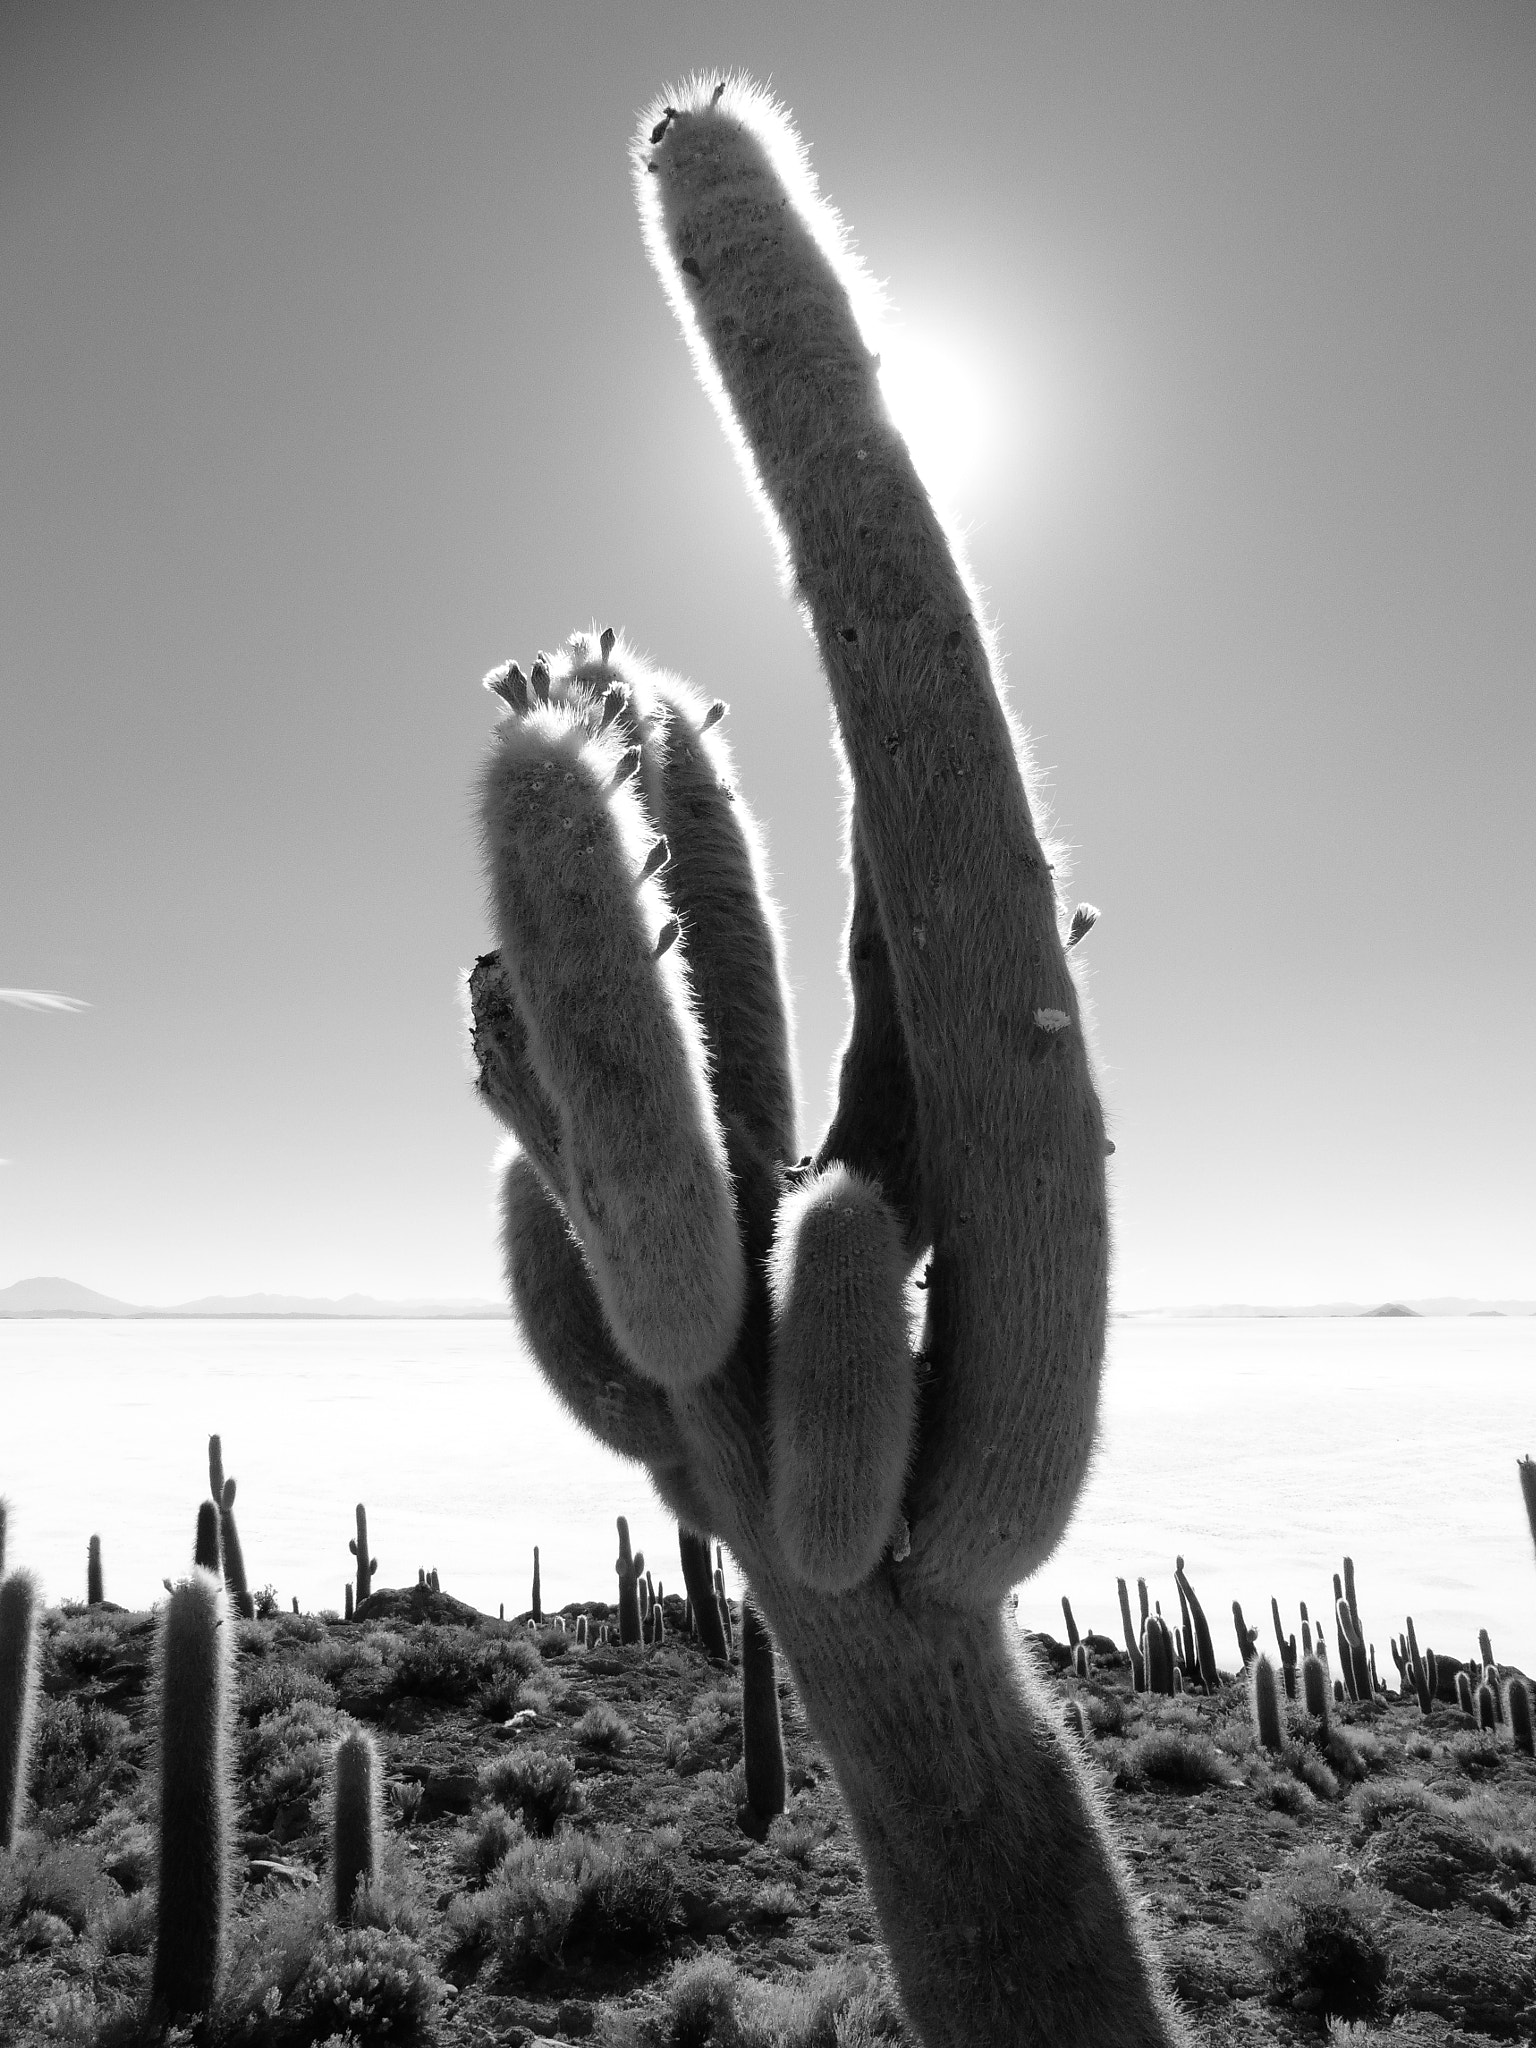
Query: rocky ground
x=567, y=1855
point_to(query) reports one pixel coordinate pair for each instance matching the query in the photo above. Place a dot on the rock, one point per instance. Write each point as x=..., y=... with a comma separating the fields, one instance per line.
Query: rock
x=1468, y=1974
x=1428, y=1859
x=449, y=1792
x=416, y=1603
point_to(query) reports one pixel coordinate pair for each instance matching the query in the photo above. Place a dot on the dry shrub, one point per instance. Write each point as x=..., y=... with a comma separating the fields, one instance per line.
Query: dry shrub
x=535, y=1783
x=1320, y=1942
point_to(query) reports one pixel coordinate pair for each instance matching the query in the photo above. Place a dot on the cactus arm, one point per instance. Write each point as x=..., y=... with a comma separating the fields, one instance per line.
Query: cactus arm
x=504, y=1076
x=562, y=1323
x=874, y=1128
x=613, y=1039
x=844, y=1392
x=1010, y=1133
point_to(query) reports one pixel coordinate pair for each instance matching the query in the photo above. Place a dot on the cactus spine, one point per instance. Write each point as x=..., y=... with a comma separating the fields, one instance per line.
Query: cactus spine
x=761, y=1729
x=193, y=1656
x=629, y=1570
x=354, y=1820
x=19, y=1603
x=94, y=1594
x=1266, y=1704
x=366, y=1565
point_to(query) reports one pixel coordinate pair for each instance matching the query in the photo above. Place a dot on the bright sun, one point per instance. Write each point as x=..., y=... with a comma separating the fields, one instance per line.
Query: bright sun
x=946, y=401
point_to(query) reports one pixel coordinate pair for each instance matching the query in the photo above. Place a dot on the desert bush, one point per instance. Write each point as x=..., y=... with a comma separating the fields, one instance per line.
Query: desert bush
x=606, y=1890
x=435, y=1663
x=1109, y=1715
x=1174, y=1756
x=1319, y=1941
x=534, y=1783
x=125, y=1926
x=1477, y=1754
x=1303, y=1762
x=59, y=1878
x=404, y=1796
x=297, y=1628
x=498, y=1699
x=75, y=1750
x=481, y=1844
x=81, y=1648
x=337, y=1655
x=602, y=1729
x=709, y=2003
x=1288, y=1795
x=368, y=1985
x=1378, y=1802
x=286, y=1759
x=689, y=1746
x=797, y=1837
x=270, y=1687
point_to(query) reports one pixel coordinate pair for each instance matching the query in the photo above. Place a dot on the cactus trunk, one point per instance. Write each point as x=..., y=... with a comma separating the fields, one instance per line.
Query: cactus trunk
x=94, y=1593
x=19, y=1603
x=194, y=1815
x=1005, y=1910
x=354, y=1820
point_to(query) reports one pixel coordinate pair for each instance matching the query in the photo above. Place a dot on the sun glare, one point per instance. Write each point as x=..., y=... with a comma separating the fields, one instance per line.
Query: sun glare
x=950, y=407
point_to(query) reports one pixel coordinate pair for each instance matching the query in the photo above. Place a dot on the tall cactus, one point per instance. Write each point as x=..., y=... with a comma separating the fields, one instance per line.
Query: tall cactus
x=629, y=1567
x=1133, y=1648
x=19, y=1603
x=194, y=1695
x=355, y=1791
x=762, y=1731
x=366, y=1565
x=1527, y=1471
x=1203, y=1651
x=1520, y=1716
x=95, y=1593
x=1314, y=1691
x=537, y=1610
x=1287, y=1648
x=694, y=1552
x=740, y=1322
x=1247, y=1638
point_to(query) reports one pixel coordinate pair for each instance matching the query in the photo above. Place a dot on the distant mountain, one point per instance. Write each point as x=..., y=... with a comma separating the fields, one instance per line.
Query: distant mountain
x=1392, y=1308
x=54, y=1297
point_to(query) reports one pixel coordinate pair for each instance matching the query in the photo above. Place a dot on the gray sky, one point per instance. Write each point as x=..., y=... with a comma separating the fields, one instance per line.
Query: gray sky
x=332, y=371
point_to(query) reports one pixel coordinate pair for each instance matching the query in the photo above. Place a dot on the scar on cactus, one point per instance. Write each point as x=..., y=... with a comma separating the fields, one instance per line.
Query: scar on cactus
x=674, y=1271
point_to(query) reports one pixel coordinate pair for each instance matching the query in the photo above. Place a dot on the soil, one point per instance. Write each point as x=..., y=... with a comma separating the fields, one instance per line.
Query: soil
x=1401, y=1900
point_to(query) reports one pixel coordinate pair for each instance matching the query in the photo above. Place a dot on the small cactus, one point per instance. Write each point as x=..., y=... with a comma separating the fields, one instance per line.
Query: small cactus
x=1266, y=1704
x=19, y=1602
x=94, y=1595
x=1486, y=1718
x=1079, y=1657
x=1520, y=1717
x=1464, y=1692
x=194, y=1796
x=347, y=1603
x=581, y=1631
x=628, y=1569
x=761, y=1728
x=367, y=1565
x=538, y=1607
x=356, y=1779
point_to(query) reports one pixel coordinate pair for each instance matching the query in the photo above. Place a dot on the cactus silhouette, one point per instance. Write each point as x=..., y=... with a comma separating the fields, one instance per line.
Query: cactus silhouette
x=19, y=1603
x=1138, y=1668
x=194, y=1792
x=1247, y=1638
x=537, y=1609
x=1464, y=1692
x=94, y=1593
x=629, y=1569
x=1520, y=1716
x=355, y=1783
x=1486, y=1718
x=1527, y=1471
x=694, y=1552
x=366, y=1565
x=762, y=1730
x=1204, y=1654
x=736, y=1318
x=216, y=1468
x=5, y=1514
x=207, y=1551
